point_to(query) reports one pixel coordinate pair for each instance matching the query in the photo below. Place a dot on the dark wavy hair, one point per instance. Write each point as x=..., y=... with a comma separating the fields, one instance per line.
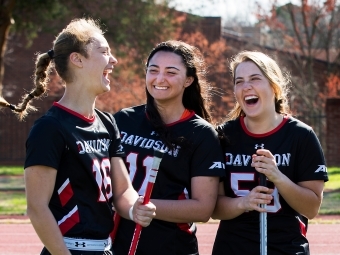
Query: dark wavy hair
x=196, y=97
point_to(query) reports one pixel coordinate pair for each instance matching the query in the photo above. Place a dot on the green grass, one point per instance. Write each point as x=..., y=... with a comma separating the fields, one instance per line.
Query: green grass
x=12, y=183
x=334, y=178
x=330, y=203
x=11, y=170
x=12, y=203
x=331, y=196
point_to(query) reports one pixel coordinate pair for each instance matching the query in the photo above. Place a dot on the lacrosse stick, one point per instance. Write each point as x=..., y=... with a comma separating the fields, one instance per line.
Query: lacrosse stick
x=158, y=155
x=263, y=221
x=116, y=220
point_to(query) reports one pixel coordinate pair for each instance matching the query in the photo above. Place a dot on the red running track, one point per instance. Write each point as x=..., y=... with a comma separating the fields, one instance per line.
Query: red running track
x=19, y=239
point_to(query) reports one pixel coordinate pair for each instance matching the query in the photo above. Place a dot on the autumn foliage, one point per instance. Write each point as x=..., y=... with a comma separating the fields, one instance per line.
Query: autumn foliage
x=128, y=84
x=333, y=86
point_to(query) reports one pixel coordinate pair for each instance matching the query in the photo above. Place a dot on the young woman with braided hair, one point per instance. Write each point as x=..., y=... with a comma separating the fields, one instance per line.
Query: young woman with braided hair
x=73, y=167
x=175, y=119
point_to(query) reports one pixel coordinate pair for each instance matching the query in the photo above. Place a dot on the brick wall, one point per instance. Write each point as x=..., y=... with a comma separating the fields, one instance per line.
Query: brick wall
x=209, y=26
x=333, y=131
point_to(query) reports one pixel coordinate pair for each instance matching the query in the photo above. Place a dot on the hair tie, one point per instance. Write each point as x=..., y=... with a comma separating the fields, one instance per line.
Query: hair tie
x=12, y=107
x=31, y=95
x=50, y=53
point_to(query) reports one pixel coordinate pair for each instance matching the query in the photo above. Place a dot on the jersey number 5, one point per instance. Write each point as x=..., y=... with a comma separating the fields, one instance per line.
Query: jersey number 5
x=237, y=178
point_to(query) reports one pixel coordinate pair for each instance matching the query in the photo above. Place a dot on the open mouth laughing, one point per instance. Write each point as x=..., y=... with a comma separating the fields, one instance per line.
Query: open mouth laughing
x=250, y=100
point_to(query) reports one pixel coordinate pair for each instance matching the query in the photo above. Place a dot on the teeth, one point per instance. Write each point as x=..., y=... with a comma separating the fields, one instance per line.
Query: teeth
x=108, y=71
x=161, y=88
x=250, y=97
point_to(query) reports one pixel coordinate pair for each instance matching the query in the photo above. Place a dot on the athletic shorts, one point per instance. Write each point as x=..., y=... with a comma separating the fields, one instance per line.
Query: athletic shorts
x=46, y=252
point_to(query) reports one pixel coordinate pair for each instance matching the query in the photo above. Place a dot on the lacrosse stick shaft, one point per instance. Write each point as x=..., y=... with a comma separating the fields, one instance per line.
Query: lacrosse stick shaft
x=116, y=220
x=263, y=221
x=151, y=181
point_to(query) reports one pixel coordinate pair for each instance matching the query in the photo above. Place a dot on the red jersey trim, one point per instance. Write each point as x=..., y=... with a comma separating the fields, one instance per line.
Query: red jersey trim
x=303, y=227
x=285, y=119
x=186, y=227
x=65, y=192
x=69, y=221
x=186, y=117
x=73, y=112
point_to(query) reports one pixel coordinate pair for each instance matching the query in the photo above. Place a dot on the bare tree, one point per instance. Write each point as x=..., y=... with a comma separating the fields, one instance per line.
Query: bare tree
x=310, y=34
x=6, y=20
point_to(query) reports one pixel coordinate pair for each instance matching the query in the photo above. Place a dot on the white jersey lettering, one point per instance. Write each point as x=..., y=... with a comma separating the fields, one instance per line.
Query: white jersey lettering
x=321, y=168
x=92, y=146
x=217, y=165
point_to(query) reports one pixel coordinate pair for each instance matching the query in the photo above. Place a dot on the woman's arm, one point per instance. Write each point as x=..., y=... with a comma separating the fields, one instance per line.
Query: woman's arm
x=40, y=181
x=197, y=209
x=228, y=208
x=304, y=197
x=124, y=195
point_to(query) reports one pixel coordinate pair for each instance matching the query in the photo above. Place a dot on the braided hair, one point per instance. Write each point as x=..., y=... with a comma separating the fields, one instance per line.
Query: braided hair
x=74, y=38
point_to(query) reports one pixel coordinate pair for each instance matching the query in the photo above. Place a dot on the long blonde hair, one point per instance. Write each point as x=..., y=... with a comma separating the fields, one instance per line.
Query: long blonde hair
x=278, y=80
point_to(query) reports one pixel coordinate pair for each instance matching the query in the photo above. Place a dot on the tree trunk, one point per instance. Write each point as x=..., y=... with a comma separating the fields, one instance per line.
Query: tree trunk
x=6, y=21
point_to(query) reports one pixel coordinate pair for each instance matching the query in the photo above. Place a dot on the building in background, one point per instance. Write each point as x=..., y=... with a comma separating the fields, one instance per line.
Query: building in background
x=20, y=64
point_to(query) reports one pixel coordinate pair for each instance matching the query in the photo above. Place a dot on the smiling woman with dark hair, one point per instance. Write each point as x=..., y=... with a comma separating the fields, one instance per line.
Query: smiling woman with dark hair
x=176, y=119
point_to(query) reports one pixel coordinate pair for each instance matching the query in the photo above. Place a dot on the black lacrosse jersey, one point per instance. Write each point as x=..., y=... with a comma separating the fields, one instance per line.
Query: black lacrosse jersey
x=299, y=156
x=80, y=150
x=203, y=157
